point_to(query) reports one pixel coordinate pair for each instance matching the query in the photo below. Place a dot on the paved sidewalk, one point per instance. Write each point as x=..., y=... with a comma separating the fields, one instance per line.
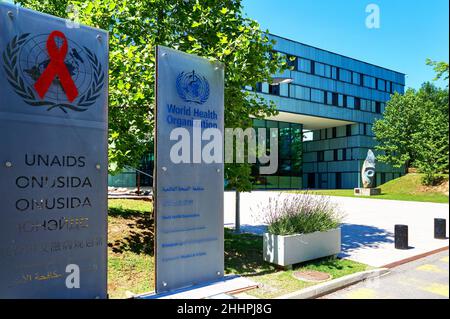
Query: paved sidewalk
x=368, y=229
x=425, y=278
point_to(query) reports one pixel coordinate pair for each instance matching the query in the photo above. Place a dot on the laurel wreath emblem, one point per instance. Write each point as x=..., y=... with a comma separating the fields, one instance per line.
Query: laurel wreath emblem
x=183, y=84
x=10, y=58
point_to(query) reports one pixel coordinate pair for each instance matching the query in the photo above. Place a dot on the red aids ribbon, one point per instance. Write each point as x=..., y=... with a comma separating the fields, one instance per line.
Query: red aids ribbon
x=56, y=67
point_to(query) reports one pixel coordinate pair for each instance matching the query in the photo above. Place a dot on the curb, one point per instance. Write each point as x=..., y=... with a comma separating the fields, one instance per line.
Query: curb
x=416, y=257
x=335, y=284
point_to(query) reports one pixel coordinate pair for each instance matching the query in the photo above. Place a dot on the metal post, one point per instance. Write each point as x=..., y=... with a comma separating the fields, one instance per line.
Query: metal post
x=401, y=237
x=237, y=227
x=440, y=228
x=139, y=183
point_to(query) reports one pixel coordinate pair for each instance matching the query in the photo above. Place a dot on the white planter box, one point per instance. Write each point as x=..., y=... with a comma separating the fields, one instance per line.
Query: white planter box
x=294, y=249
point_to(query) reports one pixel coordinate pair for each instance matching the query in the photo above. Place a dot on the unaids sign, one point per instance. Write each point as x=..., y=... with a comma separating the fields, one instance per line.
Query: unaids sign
x=53, y=157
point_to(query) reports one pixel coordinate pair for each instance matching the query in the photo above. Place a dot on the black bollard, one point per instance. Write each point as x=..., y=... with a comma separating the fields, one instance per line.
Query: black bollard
x=401, y=237
x=440, y=228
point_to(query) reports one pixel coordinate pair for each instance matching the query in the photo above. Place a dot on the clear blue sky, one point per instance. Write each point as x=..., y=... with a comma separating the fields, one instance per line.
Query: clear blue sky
x=410, y=30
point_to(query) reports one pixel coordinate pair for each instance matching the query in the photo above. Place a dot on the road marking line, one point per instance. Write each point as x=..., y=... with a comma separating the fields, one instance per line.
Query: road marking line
x=438, y=289
x=445, y=259
x=430, y=268
x=361, y=293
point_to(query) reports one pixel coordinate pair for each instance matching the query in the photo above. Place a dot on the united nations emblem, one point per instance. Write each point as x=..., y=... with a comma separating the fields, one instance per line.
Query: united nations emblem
x=192, y=87
x=49, y=70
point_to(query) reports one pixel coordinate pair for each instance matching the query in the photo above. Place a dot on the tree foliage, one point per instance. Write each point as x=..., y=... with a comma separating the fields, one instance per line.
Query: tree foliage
x=415, y=131
x=394, y=131
x=431, y=138
x=216, y=29
x=441, y=69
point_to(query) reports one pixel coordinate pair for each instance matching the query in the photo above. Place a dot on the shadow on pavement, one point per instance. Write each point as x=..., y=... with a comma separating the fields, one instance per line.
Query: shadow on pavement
x=356, y=237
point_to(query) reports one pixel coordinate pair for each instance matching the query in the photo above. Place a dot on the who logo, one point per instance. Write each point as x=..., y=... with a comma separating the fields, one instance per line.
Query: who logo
x=192, y=87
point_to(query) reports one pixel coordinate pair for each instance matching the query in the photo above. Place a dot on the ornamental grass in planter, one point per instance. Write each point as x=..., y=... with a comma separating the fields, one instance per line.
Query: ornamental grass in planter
x=300, y=228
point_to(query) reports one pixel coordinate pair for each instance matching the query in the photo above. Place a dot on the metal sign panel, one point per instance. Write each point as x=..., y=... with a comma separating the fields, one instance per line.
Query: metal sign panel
x=53, y=157
x=189, y=195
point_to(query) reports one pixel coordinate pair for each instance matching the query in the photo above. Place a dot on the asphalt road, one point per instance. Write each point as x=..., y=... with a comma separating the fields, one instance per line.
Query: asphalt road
x=426, y=278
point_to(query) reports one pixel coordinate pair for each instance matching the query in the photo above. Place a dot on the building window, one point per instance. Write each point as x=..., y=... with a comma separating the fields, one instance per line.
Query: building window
x=357, y=103
x=383, y=178
x=335, y=99
x=323, y=134
x=300, y=92
x=321, y=69
x=335, y=156
x=356, y=78
x=320, y=156
x=397, y=88
x=364, y=105
x=284, y=89
x=334, y=73
x=340, y=155
x=292, y=62
x=317, y=96
x=338, y=180
x=369, y=82
x=327, y=71
x=340, y=100
x=274, y=89
x=348, y=130
x=388, y=86
x=377, y=107
x=350, y=102
x=262, y=87
x=334, y=132
x=304, y=65
x=381, y=85
x=330, y=98
x=311, y=180
x=345, y=75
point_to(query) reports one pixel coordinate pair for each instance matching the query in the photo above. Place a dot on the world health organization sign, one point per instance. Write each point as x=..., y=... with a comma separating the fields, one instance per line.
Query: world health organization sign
x=53, y=157
x=189, y=193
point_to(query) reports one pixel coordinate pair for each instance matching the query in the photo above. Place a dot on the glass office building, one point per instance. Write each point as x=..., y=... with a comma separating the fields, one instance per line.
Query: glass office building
x=336, y=99
x=289, y=173
x=325, y=120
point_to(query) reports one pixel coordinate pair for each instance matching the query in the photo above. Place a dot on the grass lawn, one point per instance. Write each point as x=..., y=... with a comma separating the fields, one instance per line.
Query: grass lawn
x=130, y=247
x=243, y=256
x=407, y=188
x=131, y=264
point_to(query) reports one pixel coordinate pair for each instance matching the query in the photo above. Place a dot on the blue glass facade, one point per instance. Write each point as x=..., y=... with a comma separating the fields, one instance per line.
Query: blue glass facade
x=338, y=99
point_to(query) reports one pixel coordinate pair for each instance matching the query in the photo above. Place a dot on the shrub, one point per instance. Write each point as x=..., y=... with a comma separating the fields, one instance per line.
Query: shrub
x=300, y=214
x=430, y=179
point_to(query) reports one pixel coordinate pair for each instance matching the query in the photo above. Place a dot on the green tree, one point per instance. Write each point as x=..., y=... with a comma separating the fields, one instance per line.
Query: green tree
x=415, y=132
x=431, y=138
x=216, y=29
x=394, y=131
x=441, y=69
